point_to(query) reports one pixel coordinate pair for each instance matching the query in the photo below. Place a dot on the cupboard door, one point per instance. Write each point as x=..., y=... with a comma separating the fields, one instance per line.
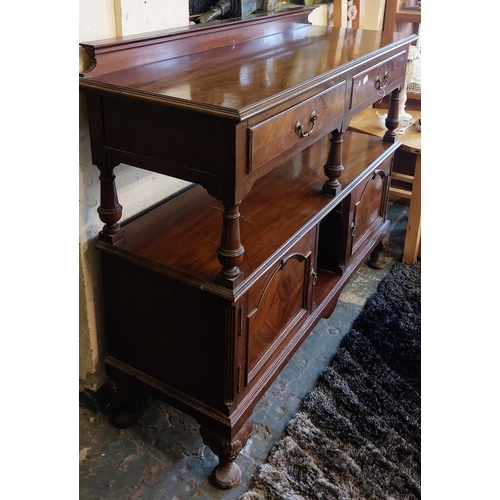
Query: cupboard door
x=368, y=207
x=352, y=225
x=279, y=302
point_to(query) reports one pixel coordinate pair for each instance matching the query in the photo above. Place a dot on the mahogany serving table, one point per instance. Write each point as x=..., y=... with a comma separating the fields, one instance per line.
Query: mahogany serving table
x=209, y=295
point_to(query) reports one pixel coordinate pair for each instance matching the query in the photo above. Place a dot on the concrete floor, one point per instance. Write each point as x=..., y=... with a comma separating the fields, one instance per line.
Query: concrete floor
x=162, y=456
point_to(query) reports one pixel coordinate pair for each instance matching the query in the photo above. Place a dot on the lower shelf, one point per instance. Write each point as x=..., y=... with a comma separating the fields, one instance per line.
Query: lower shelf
x=180, y=237
x=167, y=321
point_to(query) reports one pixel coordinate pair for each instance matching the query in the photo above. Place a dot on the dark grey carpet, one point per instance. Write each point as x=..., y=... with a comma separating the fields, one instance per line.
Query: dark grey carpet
x=357, y=435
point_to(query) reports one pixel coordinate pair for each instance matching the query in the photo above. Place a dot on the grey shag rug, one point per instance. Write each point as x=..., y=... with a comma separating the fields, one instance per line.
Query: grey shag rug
x=357, y=435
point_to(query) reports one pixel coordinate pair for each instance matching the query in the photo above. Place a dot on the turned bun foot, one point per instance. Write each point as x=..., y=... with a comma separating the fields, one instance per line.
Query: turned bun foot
x=377, y=263
x=125, y=416
x=129, y=399
x=227, y=475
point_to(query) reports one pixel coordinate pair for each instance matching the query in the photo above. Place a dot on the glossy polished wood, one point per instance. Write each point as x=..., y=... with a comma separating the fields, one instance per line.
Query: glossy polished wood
x=167, y=320
x=195, y=216
x=250, y=92
x=115, y=54
x=252, y=76
x=255, y=114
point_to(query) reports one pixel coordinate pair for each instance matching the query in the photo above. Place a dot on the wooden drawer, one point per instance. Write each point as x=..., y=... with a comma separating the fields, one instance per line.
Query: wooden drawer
x=279, y=134
x=278, y=303
x=378, y=80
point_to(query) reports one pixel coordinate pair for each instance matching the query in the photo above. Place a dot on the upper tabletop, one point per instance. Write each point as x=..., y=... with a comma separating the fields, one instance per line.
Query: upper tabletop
x=240, y=75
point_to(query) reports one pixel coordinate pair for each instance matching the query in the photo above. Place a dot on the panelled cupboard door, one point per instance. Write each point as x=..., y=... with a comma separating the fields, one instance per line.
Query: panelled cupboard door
x=279, y=302
x=368, y=206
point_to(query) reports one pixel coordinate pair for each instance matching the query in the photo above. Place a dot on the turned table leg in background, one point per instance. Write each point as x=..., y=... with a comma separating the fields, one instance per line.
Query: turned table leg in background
x=392, y=120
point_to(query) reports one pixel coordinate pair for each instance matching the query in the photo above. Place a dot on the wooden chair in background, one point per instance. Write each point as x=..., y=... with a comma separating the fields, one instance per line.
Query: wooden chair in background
x=403, y=16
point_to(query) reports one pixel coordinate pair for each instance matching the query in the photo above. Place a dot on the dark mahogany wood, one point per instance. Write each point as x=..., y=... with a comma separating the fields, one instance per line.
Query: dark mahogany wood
x=227, y=474
x=253, y=85
x=115, y=54
x=167, y=317
x=333, y=167
x=270, y=217
x=230, y=251
x=208, y=295
x=110, y=211
x=392, y=120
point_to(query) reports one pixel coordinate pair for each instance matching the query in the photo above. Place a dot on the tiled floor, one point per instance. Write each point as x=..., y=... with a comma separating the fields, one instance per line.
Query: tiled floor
x=162, y=456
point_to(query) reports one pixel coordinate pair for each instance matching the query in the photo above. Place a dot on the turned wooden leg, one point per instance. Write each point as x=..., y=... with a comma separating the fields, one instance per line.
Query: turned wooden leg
x=110, y=211
x=376, y=261
x=230, y=251
x=128, y=404
x=392, y=120
x=227, y=474
x=333, y=167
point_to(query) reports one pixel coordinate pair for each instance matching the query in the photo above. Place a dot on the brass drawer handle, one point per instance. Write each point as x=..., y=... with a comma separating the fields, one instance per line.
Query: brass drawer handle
x=299, y=128
x=354, y=229
x=378, y=86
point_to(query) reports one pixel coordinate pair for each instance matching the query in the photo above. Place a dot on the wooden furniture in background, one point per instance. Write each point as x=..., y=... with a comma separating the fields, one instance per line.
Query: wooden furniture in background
x=255, y=113
x=342, y=17
x=410, y=184
x=403, y=16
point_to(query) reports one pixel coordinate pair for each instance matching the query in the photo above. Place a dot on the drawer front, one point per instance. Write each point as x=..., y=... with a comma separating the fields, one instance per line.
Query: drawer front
x=281, y=134
x=368, y=206
x=278, y=303
x=377, y=81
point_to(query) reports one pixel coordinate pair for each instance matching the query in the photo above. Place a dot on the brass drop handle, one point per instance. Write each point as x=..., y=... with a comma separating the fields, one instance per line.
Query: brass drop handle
x=378, y=86
x=353, y=229
x=299, y=128
x=314, y=276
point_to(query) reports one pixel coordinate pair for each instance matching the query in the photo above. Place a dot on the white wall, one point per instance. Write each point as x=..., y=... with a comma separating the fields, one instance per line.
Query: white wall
x=137, y=189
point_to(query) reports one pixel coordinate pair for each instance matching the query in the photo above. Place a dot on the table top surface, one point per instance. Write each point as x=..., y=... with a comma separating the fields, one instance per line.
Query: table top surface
x=243, y=74
x=367, y=122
